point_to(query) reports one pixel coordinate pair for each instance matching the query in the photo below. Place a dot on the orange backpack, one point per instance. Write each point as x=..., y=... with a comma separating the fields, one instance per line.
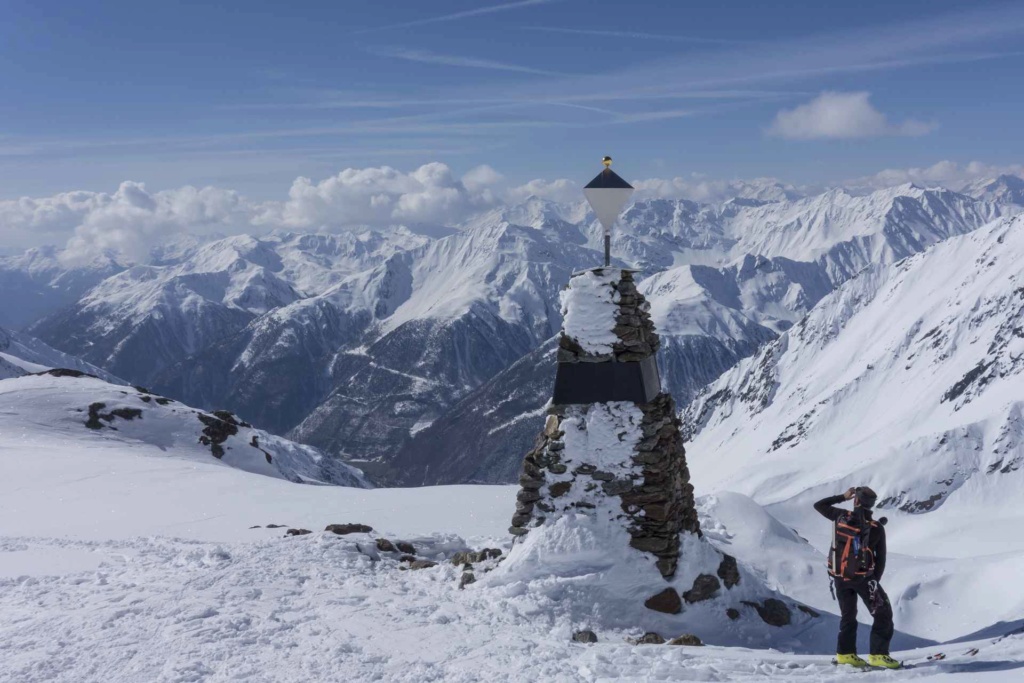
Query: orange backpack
x=850, y=556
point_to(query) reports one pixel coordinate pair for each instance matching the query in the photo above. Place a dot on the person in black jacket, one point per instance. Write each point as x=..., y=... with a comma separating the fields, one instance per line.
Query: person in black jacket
x=866, y=586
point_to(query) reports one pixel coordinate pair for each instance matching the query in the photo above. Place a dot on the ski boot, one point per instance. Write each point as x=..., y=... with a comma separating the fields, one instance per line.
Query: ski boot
x=884, y=661
x=852, y=660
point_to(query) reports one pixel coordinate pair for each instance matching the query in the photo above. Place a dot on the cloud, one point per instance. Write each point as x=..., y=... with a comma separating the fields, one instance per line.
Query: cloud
x=942, y=173
x=839, y=116
x=426, y=57
x=132, y=220
x=384, y=196
x=465, y=14
x=699, y=188
x=638, y=35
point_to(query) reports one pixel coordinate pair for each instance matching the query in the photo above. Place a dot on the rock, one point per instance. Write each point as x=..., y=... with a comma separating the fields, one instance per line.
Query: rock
x=344, y=529
x=406, y=547
x=298, y=532
x=772, y=612
x=650, y=544
x=728, y=572
x=687, y=639
x=526, y=496
x=407, y=558
x=602, y=476
x=807, y=610
x=551, y=425
x=275, y=526
x=518, y=531
x=467, y=578
x=584, y=636
x=704, y=588
x=617, y=487
x=521, y=518
x=422, y=564
x=666, y=601
x=732, y=613
x=473, y=557
x=218, y=427
x=649, y=638
x=530, y=483
x=559, y=488
x=385, y=546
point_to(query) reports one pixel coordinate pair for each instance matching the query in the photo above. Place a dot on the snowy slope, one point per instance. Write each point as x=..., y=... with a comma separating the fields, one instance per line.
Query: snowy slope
x=55, y=407
x=119, y=564
x=907, y=379
x=25, y=355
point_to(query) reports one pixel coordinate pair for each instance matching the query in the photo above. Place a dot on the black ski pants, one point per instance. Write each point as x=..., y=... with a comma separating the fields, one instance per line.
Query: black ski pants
x=847, y=593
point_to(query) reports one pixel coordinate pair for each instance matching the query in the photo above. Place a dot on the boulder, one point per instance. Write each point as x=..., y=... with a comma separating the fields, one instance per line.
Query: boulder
x=666, y=601
x=649, y=638
x=687, y=639
x=422, y=564
x=344, y=529
x=732, y=613
x=728, y=571
x=385, y=546
x=584, y=636
x=405, y=547
x=704, y=588
x=772, y=612
x=298, y=532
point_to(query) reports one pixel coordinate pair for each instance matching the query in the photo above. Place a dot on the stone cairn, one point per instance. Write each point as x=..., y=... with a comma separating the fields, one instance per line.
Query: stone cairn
x=653, y=489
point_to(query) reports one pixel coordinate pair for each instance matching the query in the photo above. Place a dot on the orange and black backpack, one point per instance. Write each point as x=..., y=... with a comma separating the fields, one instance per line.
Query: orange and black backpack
x=851, y=556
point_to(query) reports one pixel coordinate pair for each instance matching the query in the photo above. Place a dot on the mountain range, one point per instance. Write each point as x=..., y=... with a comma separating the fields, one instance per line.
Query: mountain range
x=428, y=352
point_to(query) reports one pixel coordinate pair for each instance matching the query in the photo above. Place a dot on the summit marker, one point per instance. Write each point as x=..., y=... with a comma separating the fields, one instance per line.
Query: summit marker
x=607, y=194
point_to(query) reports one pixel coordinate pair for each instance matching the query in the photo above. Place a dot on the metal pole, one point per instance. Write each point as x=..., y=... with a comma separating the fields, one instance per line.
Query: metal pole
x=607, y=250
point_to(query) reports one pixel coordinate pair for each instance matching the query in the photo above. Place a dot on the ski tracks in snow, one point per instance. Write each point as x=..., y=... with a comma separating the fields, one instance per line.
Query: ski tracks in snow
x=327, y=608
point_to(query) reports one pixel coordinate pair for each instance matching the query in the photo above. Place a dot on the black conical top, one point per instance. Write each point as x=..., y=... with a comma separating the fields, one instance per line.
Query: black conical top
x=608, y=179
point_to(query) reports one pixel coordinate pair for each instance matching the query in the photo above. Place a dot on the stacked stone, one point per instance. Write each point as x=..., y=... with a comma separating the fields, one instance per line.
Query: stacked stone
x=633, y=327
x=653, y=489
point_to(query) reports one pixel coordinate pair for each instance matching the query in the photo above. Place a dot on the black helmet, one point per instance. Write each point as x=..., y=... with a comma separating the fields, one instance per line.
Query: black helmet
x=865, y=497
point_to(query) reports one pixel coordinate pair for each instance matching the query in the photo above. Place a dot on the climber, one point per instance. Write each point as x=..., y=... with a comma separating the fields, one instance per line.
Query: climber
x=856, y=563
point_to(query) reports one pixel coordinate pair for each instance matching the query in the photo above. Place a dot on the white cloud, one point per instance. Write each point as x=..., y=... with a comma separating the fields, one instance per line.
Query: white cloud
x=129, y=221
x=943, y=173
x=425, y=57
x=132, y=220
x=464, y=14
x=839, y=115
x=384, y=196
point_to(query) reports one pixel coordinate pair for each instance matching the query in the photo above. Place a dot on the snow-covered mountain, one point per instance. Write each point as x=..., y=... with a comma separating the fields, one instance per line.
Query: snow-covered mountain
x=358, y=343
x=21, y=355
x=909, y=379
x=62, y=406
x=1003, y=189
x=38, y=283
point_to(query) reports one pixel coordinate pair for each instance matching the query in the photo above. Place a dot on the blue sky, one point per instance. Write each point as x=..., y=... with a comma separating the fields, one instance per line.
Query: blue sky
x=249, y=95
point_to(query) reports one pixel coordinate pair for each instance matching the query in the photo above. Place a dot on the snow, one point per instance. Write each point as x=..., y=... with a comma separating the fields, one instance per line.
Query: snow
x=589, y=307
x=129, y=555
x=21, y=354
x=120, y=561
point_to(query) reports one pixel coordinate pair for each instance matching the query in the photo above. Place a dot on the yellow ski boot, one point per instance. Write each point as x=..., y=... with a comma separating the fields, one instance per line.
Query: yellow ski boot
x=884, y=661
x=852, y=660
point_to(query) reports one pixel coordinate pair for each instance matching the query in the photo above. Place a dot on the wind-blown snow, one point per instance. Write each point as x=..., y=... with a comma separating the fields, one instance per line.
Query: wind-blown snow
x=589, y=307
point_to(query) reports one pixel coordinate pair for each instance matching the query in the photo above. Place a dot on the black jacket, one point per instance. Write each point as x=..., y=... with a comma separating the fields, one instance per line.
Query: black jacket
x=876, y=539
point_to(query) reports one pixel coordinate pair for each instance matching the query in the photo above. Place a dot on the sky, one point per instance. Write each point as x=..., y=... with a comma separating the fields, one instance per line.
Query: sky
x=253, y=97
